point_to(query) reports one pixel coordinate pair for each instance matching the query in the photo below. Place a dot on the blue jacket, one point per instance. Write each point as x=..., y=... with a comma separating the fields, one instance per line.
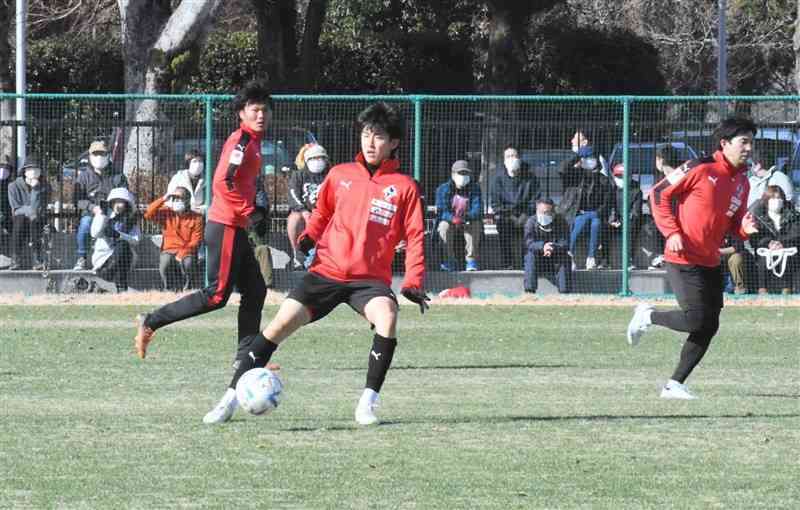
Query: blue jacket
x=444, y=201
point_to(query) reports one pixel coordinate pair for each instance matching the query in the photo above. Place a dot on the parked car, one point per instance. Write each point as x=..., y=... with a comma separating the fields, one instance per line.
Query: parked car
x=543, y=163
x=642, y=160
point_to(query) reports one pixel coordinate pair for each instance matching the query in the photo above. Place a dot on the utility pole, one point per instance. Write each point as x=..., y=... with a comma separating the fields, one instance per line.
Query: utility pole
x=722, y=49
x=21, y=75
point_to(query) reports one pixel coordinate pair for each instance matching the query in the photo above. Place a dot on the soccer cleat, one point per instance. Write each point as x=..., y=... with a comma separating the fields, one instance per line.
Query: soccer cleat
x=472, y=265
x=143, y=336
x=447, y=267
x=677, y=391
x=80, y=265
x=365, y=410
x=591, y=263
x=222, y=412
x=639, y=323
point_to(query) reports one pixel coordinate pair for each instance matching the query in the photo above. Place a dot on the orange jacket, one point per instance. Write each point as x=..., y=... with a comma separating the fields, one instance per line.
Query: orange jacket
x=181, y=233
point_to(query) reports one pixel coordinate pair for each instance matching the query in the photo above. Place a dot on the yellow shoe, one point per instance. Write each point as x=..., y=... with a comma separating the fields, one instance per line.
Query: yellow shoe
x=143, y=336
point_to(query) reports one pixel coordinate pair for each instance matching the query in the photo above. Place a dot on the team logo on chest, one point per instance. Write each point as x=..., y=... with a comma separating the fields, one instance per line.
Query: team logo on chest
x=736, y=201
x=381, y=211
x=389, y=193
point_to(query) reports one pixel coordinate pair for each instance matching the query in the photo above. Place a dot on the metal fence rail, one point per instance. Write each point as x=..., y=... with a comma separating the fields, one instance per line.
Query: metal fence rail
x=149, y=135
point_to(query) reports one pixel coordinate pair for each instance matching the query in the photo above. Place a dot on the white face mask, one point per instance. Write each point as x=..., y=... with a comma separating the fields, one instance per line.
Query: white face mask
x=460, y=180
x=775, y=205
x=178, y=206
x=619, y=181
x=32, y=182
x=195, y=168
x=5, y=172
x=32, y=177
x=316, y=165
x=512, y=165
x=544, y=219
x=98, y=162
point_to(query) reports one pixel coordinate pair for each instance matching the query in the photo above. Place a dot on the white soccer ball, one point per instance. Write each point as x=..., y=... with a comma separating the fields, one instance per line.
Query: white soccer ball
x=259, y=391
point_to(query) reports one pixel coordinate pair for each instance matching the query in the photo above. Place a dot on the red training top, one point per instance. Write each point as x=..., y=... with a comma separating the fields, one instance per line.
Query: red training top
x=361, y=218
x=234, y=187
x=703, y=200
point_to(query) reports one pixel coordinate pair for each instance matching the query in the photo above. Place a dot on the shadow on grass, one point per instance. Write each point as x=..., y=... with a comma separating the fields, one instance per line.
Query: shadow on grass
x=453, y=367
x=775, y=395
x=596, y=417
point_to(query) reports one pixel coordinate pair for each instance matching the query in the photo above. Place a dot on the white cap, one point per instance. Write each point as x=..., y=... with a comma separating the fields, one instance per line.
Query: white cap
x=121, y=194
x=314, y=151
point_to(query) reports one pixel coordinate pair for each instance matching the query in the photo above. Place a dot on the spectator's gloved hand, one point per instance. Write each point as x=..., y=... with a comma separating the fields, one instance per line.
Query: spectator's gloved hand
x=305, y=244
x=417, y=296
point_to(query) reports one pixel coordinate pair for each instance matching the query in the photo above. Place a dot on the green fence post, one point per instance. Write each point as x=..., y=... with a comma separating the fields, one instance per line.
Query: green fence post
x=209, y=171
x=626, y=126
x=417, y=137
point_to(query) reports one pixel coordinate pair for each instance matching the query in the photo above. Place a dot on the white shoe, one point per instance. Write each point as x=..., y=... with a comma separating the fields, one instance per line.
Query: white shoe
x=590, y=263
x=223, y=411
x=677, y=391
x=639, y=323
x=365, y=410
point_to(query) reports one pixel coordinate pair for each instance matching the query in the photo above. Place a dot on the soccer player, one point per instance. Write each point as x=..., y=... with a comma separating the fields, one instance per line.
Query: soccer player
x=695, y=207
x=230, y=258
x=364, y=209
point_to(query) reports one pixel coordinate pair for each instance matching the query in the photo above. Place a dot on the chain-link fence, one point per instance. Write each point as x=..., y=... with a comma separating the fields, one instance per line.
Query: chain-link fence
x=589, y=162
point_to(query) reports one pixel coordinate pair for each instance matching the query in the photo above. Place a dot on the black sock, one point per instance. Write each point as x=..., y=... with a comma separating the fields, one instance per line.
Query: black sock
x=693, y=351
x=254, y=352
x=380, y=358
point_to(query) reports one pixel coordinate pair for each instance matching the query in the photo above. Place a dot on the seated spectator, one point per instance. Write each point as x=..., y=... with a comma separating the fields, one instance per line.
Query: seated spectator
x=6, y=223
x=587, y=196
x=761, y=177
x=546, y=253
x=181, y=235
x=91, y=188
x=635, y=203
x=459, y=210
x=312, y=167
x=776, y=242
x=513, y=195
x=735, y=258
x=192, y=179
x=115, y=230
x=258, y=233
x=27, y=197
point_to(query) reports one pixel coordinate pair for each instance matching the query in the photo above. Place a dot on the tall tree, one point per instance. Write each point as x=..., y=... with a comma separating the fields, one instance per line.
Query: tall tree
x=153, y=31
x=6, y=81
x=797, y=48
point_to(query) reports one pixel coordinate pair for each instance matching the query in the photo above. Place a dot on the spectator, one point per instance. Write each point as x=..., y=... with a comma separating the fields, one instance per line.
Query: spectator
x=91, y=188
x=458, y=205
x=635, y=205
x=312, y=167
x=546, y=249
x=192, y=179
x=181, y=235
x=27, y=197
x=258, y=232
x=651, y=242
x=587, y=195
x=513, y=197
x=776, y=242
x=735, y=257
x=761, y=177
x=6, y=223
x=115, y=230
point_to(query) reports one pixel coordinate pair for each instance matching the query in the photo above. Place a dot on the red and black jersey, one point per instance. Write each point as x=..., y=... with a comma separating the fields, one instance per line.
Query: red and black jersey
x=234, y=186
x=359, y=220
x=703, y=200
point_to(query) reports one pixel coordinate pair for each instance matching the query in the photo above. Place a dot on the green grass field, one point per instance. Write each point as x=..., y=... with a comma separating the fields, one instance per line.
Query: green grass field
x=486, y=407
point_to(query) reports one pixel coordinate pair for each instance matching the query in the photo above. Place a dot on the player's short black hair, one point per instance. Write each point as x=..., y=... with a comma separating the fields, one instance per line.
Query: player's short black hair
x=382, y=115
x=546, y=201
x=192, y=154
x=255, y=91
x=732, y=127
x=510, y=146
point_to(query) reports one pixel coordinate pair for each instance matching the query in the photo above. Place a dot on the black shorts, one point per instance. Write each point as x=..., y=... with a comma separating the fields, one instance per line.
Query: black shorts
x=696, y=286
x=321, y=295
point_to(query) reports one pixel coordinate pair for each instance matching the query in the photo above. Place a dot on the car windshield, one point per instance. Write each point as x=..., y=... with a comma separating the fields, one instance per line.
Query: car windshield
x=280, y=147
x=544, y=163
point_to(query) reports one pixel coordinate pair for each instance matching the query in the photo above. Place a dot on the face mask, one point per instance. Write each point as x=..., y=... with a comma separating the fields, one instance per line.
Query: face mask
x=575, y=148
x=512, y=165
x=5, y=172
x=316, y=165
x=460, y=180
x=119, y=208
x=178, y=206
x=775, y=205
x=589, y=163
x=32, y=182
x=619, y=181
x=98, y=162
x=544, y=219
x=195, y=168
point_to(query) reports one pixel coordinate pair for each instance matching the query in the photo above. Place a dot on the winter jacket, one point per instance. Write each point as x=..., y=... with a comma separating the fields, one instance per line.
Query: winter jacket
x=788, y=234
x=444, y=201
x=303, y=189
x=181, y=232
x=182, y=179
x=635, y=203
x=27, y=201
x=758, y=186
x=91, y=188
x=537, y=236
x=584, y=190
x=5, y=206
x=514, y=195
